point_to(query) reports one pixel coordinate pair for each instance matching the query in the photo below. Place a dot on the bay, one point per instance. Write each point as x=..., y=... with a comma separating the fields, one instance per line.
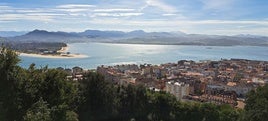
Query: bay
x=113, y=54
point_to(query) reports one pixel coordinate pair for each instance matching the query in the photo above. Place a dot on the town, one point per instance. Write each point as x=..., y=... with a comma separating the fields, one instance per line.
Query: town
x=220, y=82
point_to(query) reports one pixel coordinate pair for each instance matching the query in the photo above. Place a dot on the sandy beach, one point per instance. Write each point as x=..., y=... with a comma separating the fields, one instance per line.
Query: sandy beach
x=62, y=50
x=54, y=56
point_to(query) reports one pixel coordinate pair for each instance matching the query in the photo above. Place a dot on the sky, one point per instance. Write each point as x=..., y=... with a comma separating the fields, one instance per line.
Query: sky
x=214, y=17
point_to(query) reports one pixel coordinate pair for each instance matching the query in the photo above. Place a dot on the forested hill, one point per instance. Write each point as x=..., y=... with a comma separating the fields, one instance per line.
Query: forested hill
x=47, y=95
x=141, y=37
x=45, y=36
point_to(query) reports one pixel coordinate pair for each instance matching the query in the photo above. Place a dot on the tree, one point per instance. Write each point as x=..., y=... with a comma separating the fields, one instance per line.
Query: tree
x=20, y=89
x=8, y=82
x=210, y=112
x=51, y=85
x=142, y=107
x=228, y=113
x=187, y=112
x=71, y=116
x=127, y=102
x=256, y=108
x=133, y=103
x=162, y=106
x=38, y=112
x=98, y=98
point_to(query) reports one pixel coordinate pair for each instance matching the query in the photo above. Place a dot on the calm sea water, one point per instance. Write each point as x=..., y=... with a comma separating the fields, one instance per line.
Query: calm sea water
x=112, y=54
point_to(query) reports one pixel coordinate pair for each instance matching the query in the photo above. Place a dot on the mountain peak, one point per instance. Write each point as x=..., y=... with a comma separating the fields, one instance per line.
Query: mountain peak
x=37, y=31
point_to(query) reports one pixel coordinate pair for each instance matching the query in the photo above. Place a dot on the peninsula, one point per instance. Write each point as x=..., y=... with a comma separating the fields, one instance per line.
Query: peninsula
x=62, y=53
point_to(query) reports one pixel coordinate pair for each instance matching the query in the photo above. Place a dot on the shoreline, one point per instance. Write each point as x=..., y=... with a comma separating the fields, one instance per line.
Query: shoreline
x=54, y=56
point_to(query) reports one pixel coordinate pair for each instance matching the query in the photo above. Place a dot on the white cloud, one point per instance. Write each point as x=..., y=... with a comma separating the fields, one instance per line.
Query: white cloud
x=69, y=6
x=228, y=22
x=33, y=10
x=74, y=10
x=169, y=14
x=15, y=17
x=163, y=6
x=4, y=7
x=116, y=14
x=31, y=14
x=45, y=14
x=114, y=10
x=165, y=17
x=6, y=11
x=74, y=7
x=77, y=14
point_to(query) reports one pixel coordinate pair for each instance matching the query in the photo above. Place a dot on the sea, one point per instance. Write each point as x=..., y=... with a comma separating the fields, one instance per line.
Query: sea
x=116, y=54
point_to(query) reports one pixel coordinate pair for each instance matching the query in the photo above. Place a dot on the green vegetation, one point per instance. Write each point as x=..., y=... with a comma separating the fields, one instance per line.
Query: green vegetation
x=257, y=104
x=47, y=95
x=25, y=91
x=35, y=47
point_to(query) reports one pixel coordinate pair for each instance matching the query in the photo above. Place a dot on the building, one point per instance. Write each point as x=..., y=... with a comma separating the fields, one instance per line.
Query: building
x=179, y=90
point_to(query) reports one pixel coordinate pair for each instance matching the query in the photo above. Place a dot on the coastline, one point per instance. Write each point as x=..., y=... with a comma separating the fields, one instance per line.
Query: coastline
x=55, y=56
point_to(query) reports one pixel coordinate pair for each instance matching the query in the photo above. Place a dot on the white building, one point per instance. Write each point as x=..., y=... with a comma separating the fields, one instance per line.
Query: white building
x=177, y=89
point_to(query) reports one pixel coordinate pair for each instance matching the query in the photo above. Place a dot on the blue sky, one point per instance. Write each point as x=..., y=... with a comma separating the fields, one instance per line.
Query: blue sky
x=221, y=17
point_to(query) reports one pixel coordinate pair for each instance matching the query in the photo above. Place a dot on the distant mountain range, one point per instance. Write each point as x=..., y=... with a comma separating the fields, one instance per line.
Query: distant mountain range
x=138, y=37
x=11, y=33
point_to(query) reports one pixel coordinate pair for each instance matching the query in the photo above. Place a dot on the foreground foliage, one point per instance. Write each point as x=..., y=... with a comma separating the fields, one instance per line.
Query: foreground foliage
x=257, y=105
x=34, y=93
x=45, y=94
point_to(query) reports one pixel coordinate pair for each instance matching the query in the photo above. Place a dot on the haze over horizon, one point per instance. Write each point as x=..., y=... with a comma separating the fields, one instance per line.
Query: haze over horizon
x=217, y=17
